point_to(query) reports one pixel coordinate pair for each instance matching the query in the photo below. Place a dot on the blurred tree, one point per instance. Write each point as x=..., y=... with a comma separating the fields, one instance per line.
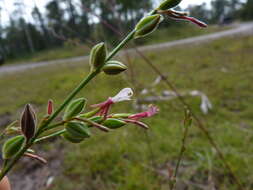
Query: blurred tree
x=247, y=12
x=200, y=11
x=85, y=26
x=37, y=16
x=218, y=9
x=71, y=23
x=19, y=12
x=55, y=16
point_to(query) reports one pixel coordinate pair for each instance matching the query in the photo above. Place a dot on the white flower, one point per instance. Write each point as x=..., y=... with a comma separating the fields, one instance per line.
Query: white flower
x=124, y=95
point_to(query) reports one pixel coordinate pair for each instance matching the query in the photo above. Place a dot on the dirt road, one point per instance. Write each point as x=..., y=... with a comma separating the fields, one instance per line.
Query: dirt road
x=240, y=29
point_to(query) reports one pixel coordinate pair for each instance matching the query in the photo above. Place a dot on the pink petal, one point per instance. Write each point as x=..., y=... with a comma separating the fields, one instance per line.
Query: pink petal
x=138, y=123
x=194, y=20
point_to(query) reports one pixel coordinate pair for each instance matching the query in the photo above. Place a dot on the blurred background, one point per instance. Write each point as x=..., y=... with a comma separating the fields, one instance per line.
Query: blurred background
x=44, y=48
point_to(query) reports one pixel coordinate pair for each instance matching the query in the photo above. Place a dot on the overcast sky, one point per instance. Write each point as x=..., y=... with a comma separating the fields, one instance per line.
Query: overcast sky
x=8, y=6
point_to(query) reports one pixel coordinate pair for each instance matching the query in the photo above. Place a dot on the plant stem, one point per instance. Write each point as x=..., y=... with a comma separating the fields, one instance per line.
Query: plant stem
x=50, y=136
x=53, y=126
x=183, y=148
x=121, y=45
x=92, y=75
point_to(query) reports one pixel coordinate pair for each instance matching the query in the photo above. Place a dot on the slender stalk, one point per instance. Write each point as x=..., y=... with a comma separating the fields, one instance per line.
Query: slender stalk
x=85, y=81
x=53, y=126
x=121, y=45
x=50, y=136
x=182, y=150
x=97, y=125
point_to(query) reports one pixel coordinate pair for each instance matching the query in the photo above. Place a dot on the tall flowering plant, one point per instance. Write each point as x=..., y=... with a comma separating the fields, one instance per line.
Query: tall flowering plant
x=76, y=122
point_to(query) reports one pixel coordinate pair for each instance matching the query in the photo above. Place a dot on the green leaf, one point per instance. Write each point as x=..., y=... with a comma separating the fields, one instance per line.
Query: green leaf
x=96, y=119
x=168, y=4
x=74, y=108
x=147, y=25
x=114, y=68
x=12, y=146
x=71, y=139
x=78, y=129
x=98, y=55
x=113, y=123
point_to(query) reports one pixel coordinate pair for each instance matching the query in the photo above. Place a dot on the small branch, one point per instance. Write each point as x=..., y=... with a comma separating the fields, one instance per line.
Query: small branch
x=36, y=157
x=101, y=127
x=53, y=126
x=50, y=136
x=187, y=124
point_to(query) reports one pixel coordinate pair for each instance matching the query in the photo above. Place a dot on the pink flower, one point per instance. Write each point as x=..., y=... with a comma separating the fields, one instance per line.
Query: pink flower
x=104, y=107
x=183, y=16
x=193, y=20
x=149, y=113
x=134, y=119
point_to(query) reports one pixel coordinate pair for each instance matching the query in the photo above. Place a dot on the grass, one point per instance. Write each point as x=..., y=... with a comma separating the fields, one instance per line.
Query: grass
x=174, y=32
x=122, y=159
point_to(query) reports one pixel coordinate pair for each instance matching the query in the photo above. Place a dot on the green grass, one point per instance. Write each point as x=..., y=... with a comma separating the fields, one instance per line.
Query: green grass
x=174, y=32
x=122, y=159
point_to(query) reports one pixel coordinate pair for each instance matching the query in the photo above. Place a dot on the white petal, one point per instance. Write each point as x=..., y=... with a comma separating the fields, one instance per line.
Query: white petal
x=124, y=95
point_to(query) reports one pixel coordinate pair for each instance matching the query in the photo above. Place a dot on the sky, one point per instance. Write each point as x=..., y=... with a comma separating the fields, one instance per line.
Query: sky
x=8, y=7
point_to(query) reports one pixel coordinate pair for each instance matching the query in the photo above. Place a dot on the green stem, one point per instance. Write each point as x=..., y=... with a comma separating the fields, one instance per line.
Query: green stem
x=53, y=126
x=92, y=75
x=129, y=37
x=183, y=148
x=50, y=136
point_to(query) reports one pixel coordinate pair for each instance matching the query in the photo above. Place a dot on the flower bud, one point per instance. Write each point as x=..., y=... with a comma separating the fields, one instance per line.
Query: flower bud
x=71, y=138
x=113, y=123
x=147, y=25
x=168, y=4
x=114, y=68
x=28, y=122
x=96, y=119
x=12, y=146
x=98, y=55
x=78, y=129
x=50, y=107
x=74, y=108
x=121, y=115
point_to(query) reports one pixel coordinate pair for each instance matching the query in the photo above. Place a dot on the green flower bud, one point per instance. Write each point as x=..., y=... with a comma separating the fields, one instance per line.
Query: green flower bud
x=147, y=25
x=74, y=108
x=121, y=115
x=96, y=119
x=113, y=123
x=77, y=129
x=12, y=146
x=90, y=114
x=71, y=139
x=114, y=68
x=168, y=4
x=98, y=55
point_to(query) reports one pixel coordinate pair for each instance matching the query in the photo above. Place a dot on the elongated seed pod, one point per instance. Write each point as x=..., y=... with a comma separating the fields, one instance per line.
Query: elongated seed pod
x=12, y=146
x=28, y=122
